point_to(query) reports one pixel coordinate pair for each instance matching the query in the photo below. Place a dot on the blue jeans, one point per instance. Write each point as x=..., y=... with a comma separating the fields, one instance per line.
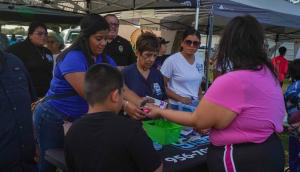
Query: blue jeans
x=294, y=150
x=48, y=126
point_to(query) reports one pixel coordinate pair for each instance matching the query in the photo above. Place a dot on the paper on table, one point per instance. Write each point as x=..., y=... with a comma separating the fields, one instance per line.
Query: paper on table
x=159, y=103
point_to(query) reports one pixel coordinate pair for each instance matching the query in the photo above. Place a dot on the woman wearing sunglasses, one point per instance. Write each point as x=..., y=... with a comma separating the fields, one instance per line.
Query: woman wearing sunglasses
x=183, y=71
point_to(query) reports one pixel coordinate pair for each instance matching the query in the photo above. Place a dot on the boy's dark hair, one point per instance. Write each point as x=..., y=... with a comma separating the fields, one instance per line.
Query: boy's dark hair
x=147, y=42
x=282, y=51
x=295, y=69
x=100, y=81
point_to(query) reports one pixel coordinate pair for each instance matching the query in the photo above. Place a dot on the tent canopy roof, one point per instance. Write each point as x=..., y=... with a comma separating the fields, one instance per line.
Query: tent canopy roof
x=281, y=17
x=16, y=14
x=287, y=25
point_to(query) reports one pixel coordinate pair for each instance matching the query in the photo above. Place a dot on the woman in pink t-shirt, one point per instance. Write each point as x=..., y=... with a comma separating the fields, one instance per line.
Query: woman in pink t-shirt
x=244, y=107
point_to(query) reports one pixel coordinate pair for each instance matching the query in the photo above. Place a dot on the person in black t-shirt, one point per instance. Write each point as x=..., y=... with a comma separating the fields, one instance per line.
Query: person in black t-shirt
x=117, y=47
x=102, y=140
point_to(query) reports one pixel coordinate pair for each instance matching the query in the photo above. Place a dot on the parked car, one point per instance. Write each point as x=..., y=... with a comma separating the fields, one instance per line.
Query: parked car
x=69, y=36
x=19, y=38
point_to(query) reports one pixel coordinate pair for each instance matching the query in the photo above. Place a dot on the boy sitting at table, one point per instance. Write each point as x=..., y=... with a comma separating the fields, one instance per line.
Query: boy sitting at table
x=102, y=140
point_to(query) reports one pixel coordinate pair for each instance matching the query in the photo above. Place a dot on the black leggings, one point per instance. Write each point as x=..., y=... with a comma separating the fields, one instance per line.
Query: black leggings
x=247, y=157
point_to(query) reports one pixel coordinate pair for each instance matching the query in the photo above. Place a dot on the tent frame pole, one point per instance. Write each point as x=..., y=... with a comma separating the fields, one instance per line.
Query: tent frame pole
x=197, y=15
x=208, y=54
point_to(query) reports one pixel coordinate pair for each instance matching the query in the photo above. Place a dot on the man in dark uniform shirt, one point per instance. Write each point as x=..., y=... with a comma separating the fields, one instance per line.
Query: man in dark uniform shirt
x=17, y=145
x=37, y=59
x=117, y=47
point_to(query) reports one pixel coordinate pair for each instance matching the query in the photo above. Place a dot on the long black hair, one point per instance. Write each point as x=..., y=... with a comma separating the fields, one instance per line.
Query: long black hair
x=89, y=25
x=242, y=46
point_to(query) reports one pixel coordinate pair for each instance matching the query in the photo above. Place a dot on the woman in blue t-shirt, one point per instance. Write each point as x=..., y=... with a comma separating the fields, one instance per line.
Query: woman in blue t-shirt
x=64, y=100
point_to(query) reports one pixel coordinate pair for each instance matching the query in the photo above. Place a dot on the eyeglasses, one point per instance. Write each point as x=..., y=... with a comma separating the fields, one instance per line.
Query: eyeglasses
x=192, y=43
x=114, y=24
x=41, y=33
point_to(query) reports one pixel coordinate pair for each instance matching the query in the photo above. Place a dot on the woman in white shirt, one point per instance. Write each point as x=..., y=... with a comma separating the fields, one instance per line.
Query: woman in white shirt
x=184, y=71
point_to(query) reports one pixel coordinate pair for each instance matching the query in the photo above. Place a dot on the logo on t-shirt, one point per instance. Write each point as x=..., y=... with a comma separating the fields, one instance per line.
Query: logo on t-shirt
x=199, y=67
x=156, y=89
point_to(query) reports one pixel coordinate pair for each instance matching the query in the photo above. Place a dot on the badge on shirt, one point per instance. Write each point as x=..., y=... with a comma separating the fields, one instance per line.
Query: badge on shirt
x=199, y=67
x=121, y=48
x=156, y=89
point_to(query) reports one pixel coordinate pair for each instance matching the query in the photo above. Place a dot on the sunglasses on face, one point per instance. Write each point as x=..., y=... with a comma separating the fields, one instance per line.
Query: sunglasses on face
x=192, y=43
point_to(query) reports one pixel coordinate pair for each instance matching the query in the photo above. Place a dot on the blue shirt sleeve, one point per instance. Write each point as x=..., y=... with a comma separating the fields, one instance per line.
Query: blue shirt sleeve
x=74, y=61
x=111, y=61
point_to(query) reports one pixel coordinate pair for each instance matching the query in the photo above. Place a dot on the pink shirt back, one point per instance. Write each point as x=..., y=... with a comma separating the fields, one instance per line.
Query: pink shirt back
x=257, y=99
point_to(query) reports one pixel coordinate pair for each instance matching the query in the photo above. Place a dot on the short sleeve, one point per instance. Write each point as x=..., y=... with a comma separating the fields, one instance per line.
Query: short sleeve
x=142, y=151
x=228, y=92
x=111, y=61
x=74, y=61
x=167, y=68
